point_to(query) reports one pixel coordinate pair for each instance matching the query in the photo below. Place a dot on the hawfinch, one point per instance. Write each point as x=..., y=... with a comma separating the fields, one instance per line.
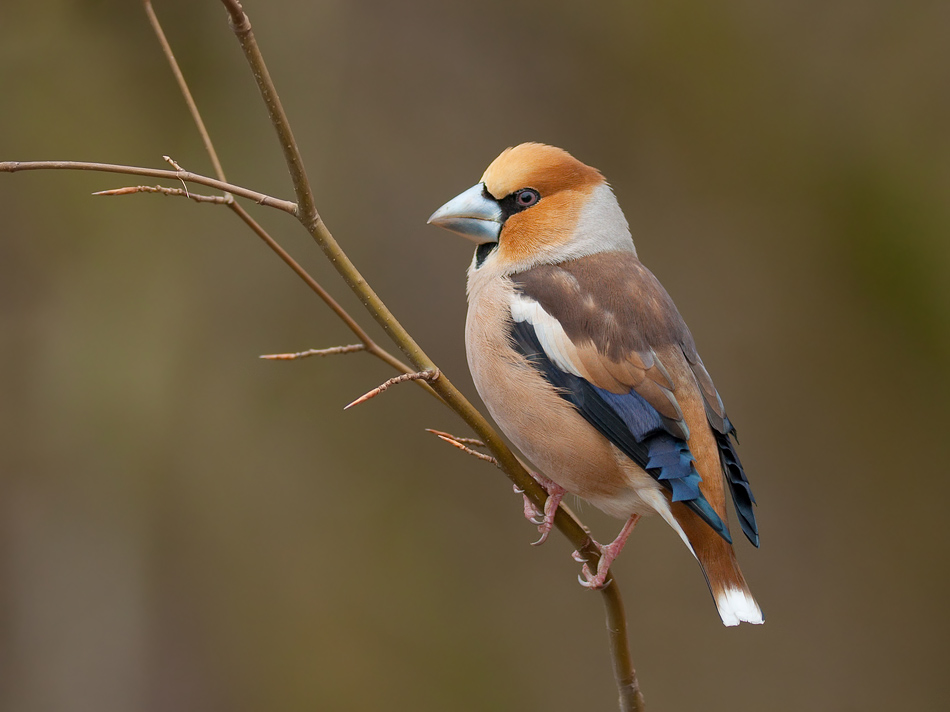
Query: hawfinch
x=586, y=365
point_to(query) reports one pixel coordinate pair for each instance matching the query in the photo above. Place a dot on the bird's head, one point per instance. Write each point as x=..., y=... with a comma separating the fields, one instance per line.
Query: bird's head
x=537, y=204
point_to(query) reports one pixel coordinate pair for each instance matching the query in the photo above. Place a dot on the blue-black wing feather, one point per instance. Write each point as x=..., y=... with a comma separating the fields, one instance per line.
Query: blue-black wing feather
x=630, y=423
x=738, y=483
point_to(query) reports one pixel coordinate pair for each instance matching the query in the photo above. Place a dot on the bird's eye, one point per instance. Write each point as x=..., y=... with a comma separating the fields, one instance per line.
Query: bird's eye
x=526, y=197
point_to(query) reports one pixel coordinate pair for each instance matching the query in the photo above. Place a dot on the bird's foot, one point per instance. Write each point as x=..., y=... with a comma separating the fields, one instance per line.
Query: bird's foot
x=544, y=521
x=595, y=581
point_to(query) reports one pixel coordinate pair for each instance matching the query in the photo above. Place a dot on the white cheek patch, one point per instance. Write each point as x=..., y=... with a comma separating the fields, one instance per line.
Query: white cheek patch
x=557, y=346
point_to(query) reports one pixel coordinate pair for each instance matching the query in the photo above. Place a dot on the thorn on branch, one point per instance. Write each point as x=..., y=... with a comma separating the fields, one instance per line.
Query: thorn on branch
x=460, y=444
x=316, y=352
x=429, y=375
x=219, y=199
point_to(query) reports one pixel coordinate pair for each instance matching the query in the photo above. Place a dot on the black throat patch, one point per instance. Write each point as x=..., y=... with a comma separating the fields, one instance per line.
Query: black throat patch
x=482, y=252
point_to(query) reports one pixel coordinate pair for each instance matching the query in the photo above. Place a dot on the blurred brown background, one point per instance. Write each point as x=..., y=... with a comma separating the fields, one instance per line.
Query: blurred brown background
x=185, y=527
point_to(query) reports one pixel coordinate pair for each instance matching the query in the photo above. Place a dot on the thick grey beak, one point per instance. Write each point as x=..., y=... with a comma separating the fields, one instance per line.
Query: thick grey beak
x=472, y=214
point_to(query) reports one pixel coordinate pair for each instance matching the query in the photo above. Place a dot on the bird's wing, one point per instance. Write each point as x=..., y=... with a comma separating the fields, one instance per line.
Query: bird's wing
x=593, y=327
x=725, y=432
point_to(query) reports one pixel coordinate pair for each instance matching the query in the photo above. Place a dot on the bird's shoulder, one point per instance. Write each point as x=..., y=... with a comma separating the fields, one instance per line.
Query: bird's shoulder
x=610, y=300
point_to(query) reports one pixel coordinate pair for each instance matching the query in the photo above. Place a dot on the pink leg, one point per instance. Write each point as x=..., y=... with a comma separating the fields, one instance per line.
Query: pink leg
x=607, y=555
x=543, y=520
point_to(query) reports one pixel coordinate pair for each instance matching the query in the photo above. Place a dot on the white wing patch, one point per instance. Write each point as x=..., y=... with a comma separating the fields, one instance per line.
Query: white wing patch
x=554, y=340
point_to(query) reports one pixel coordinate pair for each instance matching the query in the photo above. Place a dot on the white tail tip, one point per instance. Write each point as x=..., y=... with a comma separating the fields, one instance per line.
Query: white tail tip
x=737, y=606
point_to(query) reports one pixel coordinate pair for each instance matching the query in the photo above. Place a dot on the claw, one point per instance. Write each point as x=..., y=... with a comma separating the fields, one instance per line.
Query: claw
x=597, y=581
x=531, y=512
x=608, y=553
x=590, y=580
x=543, y=520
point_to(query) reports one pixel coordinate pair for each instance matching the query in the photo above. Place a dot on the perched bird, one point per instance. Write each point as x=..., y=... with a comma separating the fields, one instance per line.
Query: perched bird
x=585, y=363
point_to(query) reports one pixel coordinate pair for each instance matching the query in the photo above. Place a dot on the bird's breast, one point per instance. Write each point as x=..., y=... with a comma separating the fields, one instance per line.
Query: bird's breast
x=529, y=410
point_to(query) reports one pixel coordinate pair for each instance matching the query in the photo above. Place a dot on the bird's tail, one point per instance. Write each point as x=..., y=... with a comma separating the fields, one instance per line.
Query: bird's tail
x=718, y=561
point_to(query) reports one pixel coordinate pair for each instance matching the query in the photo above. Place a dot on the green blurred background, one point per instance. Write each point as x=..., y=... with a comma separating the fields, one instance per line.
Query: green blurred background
x=185, y=527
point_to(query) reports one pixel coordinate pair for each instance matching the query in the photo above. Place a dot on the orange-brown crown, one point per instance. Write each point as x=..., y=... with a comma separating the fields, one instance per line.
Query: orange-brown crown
x=545, y=168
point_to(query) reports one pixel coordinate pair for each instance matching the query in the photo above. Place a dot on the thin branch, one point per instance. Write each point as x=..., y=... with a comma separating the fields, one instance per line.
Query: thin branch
x=187, y=176
x=457, y=442
x=315, y=352
x=183, y=86
x=241, y=26
x=429, y=375
x=628, y=685
x=465, y=441
x=174, y=164
x=180, y=192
